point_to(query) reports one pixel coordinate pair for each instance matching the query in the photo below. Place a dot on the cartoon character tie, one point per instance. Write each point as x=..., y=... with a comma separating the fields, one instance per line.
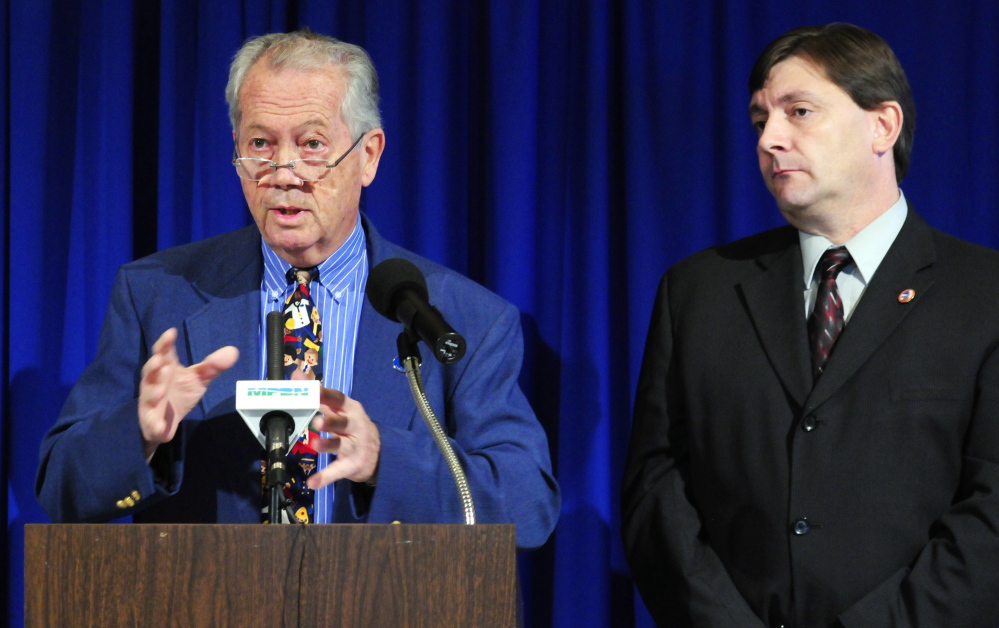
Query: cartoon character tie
x=303, y=342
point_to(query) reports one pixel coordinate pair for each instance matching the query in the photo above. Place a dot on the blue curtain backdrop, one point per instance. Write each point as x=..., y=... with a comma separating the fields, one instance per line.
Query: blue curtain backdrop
x=563, y=153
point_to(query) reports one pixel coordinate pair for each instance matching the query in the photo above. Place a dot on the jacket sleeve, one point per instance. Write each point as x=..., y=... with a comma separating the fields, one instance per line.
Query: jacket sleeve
x=682, y=580
x=496, y=436
x=92, y=466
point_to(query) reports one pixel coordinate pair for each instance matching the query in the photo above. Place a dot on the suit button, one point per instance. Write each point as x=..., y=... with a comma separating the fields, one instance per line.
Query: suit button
x=809, y=423
x=801, y=526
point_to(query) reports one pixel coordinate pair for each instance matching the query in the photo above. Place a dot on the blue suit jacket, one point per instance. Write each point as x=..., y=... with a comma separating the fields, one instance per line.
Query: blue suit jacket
x=92, y=464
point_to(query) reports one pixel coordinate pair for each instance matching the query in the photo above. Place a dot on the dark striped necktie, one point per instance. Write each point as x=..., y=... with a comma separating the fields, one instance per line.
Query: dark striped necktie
x=826, y=322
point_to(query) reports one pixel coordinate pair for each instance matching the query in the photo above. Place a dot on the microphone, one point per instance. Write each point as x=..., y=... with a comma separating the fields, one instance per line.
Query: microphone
x=276, y=424
x=276, y=408
x=398, y=291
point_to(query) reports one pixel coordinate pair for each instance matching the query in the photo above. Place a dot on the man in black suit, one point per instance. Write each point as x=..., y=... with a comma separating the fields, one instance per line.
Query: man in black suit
x=816, y=429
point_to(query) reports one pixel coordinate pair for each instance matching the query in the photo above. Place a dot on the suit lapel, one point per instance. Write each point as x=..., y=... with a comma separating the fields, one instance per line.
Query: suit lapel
x=908, y=264
x=231, y=316
x=383, y=391
x=241, y=313
x=374, y=379
x=775, y=303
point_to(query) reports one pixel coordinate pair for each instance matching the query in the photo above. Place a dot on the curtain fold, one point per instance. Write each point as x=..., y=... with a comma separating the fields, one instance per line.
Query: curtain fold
x=562, y=153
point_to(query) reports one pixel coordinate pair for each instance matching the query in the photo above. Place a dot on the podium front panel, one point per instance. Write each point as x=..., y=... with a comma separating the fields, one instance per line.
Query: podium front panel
x=261, y=575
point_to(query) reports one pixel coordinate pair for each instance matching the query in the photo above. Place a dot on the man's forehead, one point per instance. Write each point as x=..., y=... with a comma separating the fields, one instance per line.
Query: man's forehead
x=794, y=78
x=313, y=93
x=264, y=76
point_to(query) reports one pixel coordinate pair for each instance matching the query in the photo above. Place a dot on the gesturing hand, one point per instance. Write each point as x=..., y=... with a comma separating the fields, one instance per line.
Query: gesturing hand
x=169, y=390
x=355, y=439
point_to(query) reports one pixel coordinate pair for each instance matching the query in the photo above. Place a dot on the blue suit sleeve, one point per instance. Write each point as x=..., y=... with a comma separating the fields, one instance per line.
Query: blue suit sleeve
x=92, y=466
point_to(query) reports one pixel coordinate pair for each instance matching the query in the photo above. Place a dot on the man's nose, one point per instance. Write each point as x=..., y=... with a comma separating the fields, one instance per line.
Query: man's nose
x=284, y=174
x=774, y=136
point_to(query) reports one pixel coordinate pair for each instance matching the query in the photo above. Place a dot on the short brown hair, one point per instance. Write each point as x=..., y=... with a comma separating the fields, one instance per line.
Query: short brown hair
x=859, y=62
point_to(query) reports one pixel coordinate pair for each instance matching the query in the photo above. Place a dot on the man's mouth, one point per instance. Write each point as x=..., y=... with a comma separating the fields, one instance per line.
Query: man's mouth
x=777, y=169
x=288, y=211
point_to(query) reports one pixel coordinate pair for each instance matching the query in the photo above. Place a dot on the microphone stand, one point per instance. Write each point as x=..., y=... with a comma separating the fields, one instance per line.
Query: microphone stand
x=276, y=425
x=409, y=356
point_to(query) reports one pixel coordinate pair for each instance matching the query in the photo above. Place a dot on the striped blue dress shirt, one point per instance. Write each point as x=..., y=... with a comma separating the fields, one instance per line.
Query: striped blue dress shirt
x=338, y=294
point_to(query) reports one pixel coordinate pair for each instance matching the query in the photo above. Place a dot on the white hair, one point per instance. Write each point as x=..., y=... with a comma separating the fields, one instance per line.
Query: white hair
x=306, y=50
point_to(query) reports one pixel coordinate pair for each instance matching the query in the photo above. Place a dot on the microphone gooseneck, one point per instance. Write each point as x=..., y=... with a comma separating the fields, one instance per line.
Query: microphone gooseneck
x=397, y=290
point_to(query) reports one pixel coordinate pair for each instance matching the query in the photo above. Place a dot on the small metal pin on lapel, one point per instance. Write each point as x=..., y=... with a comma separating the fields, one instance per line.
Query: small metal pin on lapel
x=906, y=295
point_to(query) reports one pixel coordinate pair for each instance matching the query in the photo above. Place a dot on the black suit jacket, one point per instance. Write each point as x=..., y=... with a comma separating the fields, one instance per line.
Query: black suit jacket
x=753, y=497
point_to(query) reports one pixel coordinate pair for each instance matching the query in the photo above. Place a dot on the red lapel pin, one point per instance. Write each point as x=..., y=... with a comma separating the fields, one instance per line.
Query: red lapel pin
x=906, y=295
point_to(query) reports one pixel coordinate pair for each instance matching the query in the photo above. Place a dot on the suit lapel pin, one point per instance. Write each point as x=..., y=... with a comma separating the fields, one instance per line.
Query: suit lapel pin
x=906, y=295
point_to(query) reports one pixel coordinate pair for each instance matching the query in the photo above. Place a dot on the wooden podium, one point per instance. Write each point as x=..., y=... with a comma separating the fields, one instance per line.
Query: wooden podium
x=262, y=575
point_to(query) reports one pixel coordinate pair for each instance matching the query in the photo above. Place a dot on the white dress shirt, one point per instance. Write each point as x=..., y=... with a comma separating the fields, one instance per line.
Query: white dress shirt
x=867, y=249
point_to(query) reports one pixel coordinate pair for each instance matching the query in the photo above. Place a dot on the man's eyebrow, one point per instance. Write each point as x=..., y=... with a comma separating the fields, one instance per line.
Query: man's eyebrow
x=793, y=96
x=256, y=126
x=798, y=94
x=311, y=122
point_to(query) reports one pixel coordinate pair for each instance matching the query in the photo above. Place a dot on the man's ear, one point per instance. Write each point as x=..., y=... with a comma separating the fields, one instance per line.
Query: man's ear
x=373, y=146
x=887, y=120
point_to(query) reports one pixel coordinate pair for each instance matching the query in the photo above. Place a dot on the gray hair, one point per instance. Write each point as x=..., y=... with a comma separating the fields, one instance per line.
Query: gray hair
x=306, y=50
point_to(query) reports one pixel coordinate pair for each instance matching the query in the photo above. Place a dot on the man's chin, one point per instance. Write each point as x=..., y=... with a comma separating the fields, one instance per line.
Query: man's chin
x=795, y=211
x=292, y=247
x=793, y=200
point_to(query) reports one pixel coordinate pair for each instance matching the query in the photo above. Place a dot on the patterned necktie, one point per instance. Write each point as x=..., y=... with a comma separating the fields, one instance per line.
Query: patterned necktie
x=303, y=333
x=826, y=321
x=303, y=342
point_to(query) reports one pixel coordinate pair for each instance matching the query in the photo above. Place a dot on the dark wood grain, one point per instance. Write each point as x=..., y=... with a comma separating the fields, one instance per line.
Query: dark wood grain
x=259, y=575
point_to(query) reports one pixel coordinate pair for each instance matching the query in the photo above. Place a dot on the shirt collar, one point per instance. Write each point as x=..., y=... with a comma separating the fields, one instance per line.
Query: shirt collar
x=336, y=272
x=867, y=248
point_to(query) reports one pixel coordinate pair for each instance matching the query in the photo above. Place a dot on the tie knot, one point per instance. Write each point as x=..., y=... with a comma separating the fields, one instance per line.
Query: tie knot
x=833, y=261
x=302, y=275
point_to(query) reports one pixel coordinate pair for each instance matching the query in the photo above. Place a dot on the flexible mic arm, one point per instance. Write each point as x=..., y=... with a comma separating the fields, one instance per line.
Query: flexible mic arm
x=397, y=290
x=409, y=356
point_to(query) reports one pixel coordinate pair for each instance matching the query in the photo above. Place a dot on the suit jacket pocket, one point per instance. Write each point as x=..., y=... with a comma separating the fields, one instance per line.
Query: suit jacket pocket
x=926, y=388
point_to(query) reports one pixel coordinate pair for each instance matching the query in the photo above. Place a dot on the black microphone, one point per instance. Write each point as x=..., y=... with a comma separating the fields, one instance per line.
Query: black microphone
x=398, y=291
x=276, y=425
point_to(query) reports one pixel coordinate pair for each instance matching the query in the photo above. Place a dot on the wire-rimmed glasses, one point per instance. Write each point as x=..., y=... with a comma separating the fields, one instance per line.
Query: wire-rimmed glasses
x=307, y=170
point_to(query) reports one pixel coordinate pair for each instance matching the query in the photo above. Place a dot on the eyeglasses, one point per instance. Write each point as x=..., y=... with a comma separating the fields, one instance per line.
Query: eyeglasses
x=256, y=168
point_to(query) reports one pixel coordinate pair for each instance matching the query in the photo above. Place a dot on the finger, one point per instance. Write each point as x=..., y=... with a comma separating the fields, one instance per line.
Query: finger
x=335, y=470
x=164, y=352
x=156, y=376
x=329, y=422
x=215, y=363
x=153, y=394
x=332, y=398
x=151, y=368
x=165, y=341
x=326, y=445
